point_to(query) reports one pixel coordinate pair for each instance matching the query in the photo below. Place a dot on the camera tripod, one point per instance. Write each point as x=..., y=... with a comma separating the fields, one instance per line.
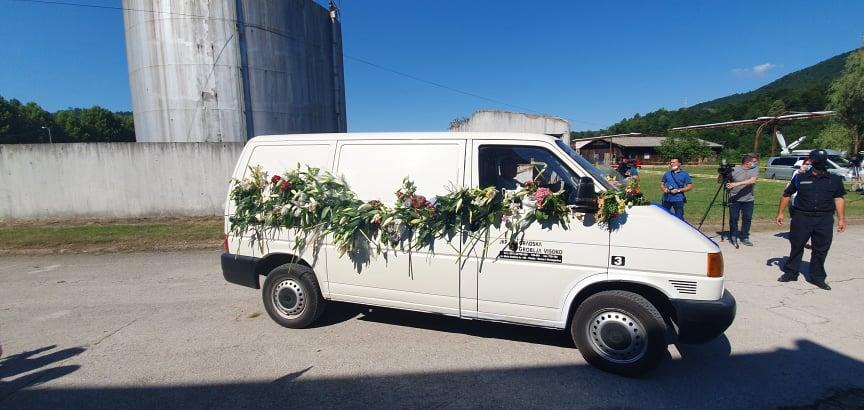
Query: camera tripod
x=724, y=203
x=855, y=171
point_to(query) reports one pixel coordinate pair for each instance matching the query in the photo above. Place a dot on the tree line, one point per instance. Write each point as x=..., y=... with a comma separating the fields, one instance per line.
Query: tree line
x=30, y=124
x=836, y=84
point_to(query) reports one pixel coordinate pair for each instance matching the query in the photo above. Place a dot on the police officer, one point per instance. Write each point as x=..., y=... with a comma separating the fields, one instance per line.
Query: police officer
x=820, y=194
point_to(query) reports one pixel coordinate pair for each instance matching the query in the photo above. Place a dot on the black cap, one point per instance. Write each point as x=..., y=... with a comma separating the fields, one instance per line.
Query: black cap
x=818, y=158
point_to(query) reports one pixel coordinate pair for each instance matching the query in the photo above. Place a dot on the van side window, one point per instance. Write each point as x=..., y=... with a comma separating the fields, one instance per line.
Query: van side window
x=508, y=166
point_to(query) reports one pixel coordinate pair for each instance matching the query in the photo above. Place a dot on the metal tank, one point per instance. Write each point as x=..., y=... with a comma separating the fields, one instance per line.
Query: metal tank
x=228, y=70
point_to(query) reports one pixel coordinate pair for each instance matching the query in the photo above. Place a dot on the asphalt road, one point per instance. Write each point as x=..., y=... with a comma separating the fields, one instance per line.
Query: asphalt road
x=164, y=330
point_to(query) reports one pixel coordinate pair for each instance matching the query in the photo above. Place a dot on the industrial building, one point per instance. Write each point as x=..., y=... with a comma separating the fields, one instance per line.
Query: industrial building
x=505, y=121
x=228, y=70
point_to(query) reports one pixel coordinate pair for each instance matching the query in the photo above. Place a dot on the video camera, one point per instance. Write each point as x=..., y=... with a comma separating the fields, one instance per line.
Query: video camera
x=724, y=172
x=855, y=160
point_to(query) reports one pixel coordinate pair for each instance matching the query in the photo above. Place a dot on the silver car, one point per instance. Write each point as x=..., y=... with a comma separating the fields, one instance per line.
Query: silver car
x=784, y=167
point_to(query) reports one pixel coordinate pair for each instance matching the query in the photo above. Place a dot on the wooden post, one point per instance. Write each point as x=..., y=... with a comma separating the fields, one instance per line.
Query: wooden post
x=758, y=134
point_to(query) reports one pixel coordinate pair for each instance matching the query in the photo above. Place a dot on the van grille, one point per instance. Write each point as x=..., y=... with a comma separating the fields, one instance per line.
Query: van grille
x=684, y=286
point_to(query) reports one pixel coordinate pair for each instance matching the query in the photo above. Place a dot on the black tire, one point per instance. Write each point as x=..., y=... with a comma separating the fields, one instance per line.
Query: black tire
x=620, y=332
x=292, y=296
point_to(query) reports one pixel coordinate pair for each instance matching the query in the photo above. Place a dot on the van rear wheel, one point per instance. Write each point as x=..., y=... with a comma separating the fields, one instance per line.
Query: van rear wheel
x=620, y=332
x=292, y=296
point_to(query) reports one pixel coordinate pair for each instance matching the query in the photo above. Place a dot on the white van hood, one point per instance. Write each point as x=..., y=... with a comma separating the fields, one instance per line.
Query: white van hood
x=652, y=227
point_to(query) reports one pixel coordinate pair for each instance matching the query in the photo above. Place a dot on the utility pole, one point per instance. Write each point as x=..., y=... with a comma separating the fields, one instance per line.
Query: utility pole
x=336, y=32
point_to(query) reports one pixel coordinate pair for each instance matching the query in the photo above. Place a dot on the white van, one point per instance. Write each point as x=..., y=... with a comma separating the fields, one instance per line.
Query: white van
x=624, y=291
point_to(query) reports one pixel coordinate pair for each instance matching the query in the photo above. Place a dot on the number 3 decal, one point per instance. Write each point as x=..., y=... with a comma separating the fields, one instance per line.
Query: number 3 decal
x=617, y=261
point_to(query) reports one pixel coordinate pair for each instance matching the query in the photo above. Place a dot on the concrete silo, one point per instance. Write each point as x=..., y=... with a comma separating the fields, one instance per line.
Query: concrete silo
x=227, y=70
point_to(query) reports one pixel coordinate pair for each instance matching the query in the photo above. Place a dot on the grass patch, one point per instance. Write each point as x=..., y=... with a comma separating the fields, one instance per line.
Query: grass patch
x=206, y=233
x=767, y=194
x=109, y=236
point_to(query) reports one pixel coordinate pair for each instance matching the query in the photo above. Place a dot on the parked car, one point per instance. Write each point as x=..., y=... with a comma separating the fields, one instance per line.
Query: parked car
x=622, y=294
x=784, y=167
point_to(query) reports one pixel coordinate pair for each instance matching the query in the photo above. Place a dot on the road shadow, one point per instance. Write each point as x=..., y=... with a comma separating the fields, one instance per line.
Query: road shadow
x=338, y=312
x=804, y=268
x=716, y=349
x=448, y=324
x=17, y=370
x=706, y=376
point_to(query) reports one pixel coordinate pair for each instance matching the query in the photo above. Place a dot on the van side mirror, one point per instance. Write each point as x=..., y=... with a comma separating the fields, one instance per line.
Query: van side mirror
x=583, y=197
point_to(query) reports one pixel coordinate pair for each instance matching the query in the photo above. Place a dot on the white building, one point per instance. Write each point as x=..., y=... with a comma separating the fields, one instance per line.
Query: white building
x=505, y=121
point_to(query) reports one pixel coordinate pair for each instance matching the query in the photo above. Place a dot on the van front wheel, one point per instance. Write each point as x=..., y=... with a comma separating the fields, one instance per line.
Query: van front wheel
x=619, y=332
x=292, y=296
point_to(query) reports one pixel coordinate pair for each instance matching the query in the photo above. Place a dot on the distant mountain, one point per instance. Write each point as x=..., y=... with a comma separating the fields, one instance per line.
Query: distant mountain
x=802, y=90
x=817, y=76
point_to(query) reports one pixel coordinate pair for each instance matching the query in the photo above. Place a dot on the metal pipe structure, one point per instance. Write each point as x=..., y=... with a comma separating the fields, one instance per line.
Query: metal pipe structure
x=774, y=122
x=760, y=120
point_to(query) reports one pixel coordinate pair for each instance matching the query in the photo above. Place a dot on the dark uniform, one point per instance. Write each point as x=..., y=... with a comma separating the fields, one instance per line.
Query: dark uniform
x=812, y=219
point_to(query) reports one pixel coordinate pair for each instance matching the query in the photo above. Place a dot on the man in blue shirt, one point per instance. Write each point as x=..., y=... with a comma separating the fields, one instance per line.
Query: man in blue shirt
x=633, y=171
x=674, y=184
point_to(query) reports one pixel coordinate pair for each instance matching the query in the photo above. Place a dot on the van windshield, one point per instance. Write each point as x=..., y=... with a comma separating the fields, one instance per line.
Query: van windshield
x=598, y=175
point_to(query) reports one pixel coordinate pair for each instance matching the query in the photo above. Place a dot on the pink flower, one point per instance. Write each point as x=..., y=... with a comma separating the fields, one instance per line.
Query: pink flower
x=418, y=201
x=285, y=186
x=541, y=194
x=275, y=179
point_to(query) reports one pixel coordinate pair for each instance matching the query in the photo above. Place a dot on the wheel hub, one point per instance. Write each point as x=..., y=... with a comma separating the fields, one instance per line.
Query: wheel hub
x=289, y=299
x=617, y=336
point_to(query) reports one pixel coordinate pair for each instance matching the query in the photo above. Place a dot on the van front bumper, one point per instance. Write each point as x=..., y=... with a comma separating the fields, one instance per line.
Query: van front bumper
x=700, y=321
x=240, y=269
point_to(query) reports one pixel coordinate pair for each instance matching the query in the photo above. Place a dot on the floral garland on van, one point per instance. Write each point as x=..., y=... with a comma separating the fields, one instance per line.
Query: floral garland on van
x=312, y=203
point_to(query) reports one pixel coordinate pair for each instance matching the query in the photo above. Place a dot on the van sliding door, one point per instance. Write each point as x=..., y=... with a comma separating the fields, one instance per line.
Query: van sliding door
x=426, y=279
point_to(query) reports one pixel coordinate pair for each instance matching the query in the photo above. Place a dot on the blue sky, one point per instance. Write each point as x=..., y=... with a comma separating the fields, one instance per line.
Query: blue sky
x=592, y=63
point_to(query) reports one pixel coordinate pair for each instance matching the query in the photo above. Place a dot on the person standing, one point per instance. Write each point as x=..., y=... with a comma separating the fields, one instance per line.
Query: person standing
x=741, y=199
x=674, y=184
x=819, y=196
x=801, y=167
x=633, y=171
x=623, y=167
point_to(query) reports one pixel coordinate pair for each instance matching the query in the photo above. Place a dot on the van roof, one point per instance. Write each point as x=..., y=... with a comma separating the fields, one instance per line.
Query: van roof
x=406, y=135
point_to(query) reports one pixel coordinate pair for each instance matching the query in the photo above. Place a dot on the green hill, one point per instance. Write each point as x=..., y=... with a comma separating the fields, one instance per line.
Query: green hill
x=803, y=90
